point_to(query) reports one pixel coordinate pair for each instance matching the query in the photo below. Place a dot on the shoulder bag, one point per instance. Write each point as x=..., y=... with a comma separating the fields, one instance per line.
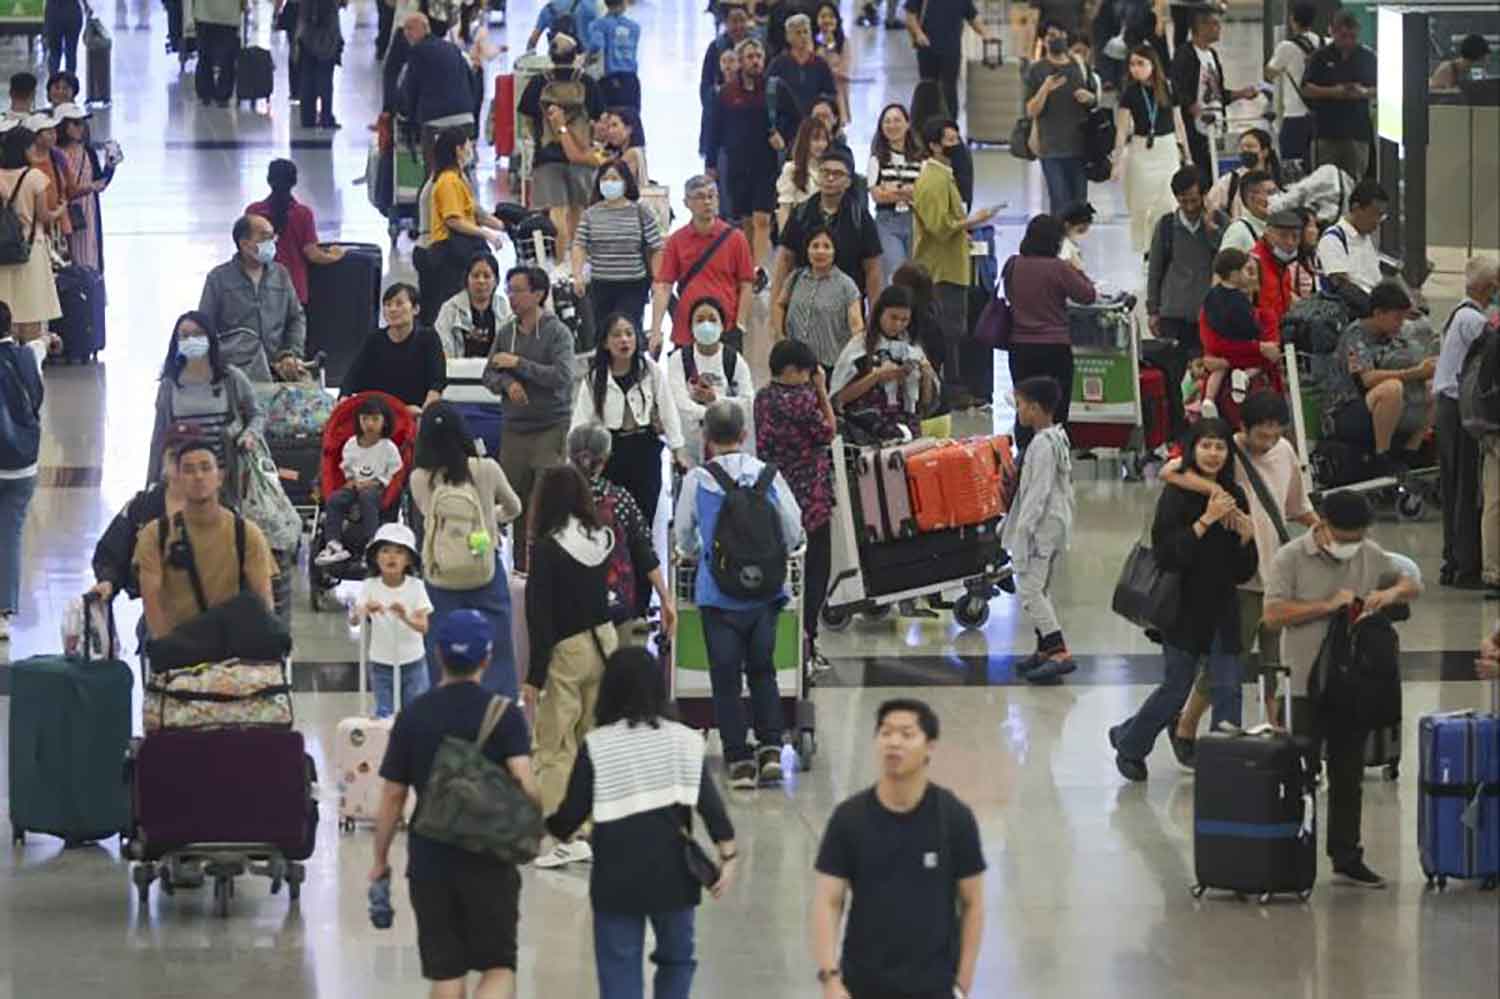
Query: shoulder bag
x=697, y=268
x=993, y=330
x=1146, y=594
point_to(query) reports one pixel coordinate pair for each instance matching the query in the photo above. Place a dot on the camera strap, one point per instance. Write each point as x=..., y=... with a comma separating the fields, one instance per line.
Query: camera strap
x=196, y=580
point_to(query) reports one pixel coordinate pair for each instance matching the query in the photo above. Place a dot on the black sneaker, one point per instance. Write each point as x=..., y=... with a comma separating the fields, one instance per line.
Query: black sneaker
x=1050, y=671
x=1357, y=874
x=1027, y=664
x=1130, y=769
x=762, y=280
x=1186, y=750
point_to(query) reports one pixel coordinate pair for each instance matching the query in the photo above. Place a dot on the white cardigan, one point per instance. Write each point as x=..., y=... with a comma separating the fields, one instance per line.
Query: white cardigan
x=650, y=392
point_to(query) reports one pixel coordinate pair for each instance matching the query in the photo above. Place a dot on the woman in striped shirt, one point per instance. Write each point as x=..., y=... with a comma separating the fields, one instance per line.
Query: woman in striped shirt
x=895, y=160
x=201, y=390
x=617, y=247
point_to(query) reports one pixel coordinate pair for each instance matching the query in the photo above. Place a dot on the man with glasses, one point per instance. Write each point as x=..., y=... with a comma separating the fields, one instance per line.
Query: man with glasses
x=707, y=258
x=1347, y=252
x=856, y=239
x=531, y=369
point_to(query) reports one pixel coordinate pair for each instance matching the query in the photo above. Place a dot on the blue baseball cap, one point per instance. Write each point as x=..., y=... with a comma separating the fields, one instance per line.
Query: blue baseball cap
x=464, y=638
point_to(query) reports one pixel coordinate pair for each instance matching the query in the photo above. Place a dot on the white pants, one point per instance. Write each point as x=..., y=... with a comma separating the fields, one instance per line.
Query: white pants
x=1033, y=573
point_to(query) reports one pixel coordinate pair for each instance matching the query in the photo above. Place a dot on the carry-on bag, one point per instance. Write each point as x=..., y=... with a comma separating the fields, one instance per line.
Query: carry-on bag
x=503, y=114
x=219, y=695
x=298, y=462
x=254, y=70
x=69, y=731
x=343, y=306
x=234, y=785
x=1255, y=811
x=360, y=748
x=884, y=498
x=293, y=409
x=1156, y=409
x=932, y=557
x=80, y=293
x=954, y=485
x=97, y=53
x=1458, y=797
x=994, y=95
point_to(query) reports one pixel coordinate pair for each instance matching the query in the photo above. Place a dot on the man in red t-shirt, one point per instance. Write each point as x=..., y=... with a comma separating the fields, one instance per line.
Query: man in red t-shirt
x=725, y=276
x=297, y=231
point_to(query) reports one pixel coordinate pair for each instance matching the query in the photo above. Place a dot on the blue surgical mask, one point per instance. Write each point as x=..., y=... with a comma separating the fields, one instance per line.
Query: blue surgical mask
x=612, y=188
x=707, y=333
x=266, y=252
x=192, y=348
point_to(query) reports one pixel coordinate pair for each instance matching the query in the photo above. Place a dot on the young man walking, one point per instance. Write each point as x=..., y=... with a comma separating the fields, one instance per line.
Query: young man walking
x=909, y=852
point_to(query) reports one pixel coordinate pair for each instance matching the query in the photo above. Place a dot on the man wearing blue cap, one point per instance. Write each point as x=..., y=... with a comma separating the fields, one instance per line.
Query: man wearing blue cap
x=466, y=904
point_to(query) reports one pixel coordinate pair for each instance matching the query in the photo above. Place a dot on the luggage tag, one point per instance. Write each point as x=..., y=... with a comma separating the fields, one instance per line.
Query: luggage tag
x=1470, y=817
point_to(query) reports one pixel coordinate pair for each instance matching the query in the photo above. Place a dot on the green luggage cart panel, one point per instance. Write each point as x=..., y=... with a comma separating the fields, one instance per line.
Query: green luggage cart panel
x=690, y=654
x=1105, y=387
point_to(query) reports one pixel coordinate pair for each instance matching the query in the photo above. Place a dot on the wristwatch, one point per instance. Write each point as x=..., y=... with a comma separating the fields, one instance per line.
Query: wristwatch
x=826, y=975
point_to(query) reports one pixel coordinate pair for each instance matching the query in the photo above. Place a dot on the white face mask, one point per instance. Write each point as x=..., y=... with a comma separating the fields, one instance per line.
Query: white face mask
x=612, y=188
x=1285, y=256
x=192, y=348
x=707, y=333
x=266, y=252
x=1344, y=550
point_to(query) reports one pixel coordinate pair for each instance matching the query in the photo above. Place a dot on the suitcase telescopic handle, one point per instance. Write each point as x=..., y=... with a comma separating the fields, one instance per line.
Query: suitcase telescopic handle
x=1286, y=709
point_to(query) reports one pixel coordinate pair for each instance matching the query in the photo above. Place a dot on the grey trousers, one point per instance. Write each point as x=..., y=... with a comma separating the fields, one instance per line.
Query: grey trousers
x=523, y=455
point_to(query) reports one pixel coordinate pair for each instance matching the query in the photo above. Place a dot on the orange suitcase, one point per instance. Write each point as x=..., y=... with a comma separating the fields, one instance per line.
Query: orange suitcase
x=955, y=485
x=1005, y=459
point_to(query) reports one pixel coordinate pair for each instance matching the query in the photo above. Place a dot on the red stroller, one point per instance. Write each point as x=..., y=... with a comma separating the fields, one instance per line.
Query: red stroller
x=343, y=424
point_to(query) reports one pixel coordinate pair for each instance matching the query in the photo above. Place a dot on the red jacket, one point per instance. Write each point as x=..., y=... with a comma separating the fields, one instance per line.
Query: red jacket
x=1275, y=289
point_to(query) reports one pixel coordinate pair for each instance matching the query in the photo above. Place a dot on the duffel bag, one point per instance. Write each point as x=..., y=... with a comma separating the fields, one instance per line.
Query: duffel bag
x=216, y=695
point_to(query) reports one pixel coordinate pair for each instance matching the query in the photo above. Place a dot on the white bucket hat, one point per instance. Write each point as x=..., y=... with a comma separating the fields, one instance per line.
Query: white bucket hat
x=393, y=534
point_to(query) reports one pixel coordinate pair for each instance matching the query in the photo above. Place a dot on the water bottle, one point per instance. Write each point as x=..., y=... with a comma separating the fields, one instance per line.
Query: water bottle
x=382, y=913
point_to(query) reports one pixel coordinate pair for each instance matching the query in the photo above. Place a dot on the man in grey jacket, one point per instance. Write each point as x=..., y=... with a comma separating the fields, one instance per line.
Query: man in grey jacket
x=531, y=369
x=1183, y=244
x=250, y=297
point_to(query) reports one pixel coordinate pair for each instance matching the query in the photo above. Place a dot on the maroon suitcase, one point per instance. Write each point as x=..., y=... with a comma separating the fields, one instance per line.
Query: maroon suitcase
x=236, y=785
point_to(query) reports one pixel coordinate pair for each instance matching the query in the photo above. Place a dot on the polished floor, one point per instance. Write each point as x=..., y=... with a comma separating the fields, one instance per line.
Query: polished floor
x=1086, y=894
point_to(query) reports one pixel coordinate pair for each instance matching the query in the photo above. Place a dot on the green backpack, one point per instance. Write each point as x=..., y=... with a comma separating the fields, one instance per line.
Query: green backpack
x=473, y=803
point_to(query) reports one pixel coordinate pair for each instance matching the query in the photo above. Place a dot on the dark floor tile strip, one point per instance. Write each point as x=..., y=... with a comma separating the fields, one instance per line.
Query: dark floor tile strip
x=231, y=145
x=69, y=476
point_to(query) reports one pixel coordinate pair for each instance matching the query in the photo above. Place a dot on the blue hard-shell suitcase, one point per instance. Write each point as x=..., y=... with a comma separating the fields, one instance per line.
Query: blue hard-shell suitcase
x=1458, y=797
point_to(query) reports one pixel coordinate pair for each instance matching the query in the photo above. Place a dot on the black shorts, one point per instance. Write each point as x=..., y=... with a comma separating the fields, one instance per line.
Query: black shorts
x=751, y=186
x=1353, y=425
x=466, y=919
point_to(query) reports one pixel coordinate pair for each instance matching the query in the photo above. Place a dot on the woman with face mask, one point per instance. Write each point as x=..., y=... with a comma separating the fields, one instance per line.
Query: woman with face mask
x=627, y=393
x=201, y=394
x=706, y=371
x=884, y=381
x=1209, y=542
x=1149, y=143
x=617, y=247
x=1257, y=154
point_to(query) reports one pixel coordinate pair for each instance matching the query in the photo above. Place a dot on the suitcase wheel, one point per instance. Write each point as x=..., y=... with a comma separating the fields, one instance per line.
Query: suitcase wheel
x=17, y=835
x=1393, y=771
x=223, y=892
x=1489, y=884
x=972, y=611
x=143, y=875
x=807, y=748
x=835, y=618
x=1198, y=890
x=295, y=875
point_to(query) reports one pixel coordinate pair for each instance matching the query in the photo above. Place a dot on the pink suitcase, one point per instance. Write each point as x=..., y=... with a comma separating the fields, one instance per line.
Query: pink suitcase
x=520, y=639
x=884, y=499
x=358, y=750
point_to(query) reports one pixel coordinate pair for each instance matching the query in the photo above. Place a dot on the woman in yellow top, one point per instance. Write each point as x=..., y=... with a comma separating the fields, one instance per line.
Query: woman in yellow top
x=460, y=230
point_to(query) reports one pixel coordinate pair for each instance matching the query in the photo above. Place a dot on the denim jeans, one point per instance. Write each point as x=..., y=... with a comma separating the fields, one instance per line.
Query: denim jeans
x=620, y=938
x=1066, y=182
x=895, y=240
x=414, y=683
x=1224, y=676
x=338, y=509
x=15, y=497
x=743, y=642
x=493, y=601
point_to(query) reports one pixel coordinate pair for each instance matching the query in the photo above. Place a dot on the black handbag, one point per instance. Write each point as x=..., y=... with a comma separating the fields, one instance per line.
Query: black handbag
x=699, y=864
x=1146, y=594
x=1020, y=139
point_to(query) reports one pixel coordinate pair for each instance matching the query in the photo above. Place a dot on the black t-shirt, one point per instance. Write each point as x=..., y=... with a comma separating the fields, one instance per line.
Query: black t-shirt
x=903, y=872
x=1341, y=119
x=1139, y=101
x=407, y=370
x=943, y=21
x=453, y=709
x=855, y=235
x=479, y=340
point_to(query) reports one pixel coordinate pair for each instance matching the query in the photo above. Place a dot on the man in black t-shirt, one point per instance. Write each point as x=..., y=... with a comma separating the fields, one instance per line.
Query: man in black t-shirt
x=936, y=28
x=467, y=905
x=909, y=853
x=856, y=239
x=1338, y=84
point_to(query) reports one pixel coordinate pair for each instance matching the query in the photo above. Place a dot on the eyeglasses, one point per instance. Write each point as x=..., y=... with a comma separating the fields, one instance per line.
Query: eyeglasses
x=835, y=174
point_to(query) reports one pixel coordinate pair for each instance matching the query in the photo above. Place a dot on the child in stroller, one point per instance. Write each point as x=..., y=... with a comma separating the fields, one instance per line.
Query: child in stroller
x=363, y=425
x=1240, y=352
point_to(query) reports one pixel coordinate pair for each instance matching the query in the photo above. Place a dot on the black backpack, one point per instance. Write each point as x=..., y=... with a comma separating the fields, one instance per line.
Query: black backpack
x=1479, y=382
x=567, y=24
x=731, y=361
x=748, y=557
x=15, y=241
x=1357, y=677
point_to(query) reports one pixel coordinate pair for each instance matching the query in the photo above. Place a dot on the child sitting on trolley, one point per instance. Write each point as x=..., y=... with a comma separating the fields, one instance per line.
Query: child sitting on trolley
x=1238, y=344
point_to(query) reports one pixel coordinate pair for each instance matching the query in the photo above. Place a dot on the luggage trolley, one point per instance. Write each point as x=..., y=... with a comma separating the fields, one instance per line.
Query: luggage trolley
x=526, y=68
x=687, y=659
x=1108, y=410
x=961, y=568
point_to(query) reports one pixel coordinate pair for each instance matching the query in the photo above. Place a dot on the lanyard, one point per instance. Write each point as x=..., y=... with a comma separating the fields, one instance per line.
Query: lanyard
x=1150, y=101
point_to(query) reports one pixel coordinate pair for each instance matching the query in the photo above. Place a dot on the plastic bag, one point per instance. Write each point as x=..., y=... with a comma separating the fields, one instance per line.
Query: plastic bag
x=264, y=503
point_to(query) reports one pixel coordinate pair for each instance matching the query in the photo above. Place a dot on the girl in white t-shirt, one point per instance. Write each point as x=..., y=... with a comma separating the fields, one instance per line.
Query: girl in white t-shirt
x=394, y=604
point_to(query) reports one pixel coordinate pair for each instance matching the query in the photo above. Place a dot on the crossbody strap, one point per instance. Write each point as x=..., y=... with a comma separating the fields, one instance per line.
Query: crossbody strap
x=702, y=261
x=1263, y=493
x=492, y=716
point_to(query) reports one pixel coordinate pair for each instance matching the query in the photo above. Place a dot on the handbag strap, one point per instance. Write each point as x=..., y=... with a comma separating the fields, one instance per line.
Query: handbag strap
x=1262, y=493
x=492, y=716
x=702, y=261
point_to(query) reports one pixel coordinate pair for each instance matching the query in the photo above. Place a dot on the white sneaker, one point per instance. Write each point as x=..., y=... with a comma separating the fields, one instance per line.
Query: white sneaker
x=1209, y=410
x=332, y=554
x=1239, y=385
x=563, y=854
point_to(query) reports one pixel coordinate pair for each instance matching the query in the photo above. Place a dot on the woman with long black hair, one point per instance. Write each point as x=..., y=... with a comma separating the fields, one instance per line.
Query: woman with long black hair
x=446, y=457
x=628, y=394
x=1209, y=542
x=296, y=229
x=458, y=228
x=202, y=393
x=895, y=158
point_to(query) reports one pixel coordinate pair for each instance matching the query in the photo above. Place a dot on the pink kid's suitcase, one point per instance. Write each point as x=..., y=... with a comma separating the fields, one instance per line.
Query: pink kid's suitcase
x=884, y=499
x=359, y=749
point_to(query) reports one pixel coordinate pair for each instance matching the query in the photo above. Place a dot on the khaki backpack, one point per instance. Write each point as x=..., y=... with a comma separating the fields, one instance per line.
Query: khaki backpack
x=457, y=550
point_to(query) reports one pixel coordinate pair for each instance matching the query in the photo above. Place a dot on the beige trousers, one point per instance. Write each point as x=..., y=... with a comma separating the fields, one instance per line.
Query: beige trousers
x=566, y=711
x=1489, y=516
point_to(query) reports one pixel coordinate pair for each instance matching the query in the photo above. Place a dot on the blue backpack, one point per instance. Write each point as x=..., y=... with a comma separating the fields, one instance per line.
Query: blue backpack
x=20, y=410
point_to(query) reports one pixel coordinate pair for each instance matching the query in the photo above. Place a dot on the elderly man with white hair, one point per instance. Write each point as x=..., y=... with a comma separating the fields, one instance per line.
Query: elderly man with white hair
x=1459, y=451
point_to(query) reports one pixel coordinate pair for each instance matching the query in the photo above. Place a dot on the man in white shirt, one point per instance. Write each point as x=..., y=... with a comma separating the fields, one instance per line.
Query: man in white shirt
x=1347, y=252
x=701, y=374
x=1255, y=192
x=1458, y=451
x=1287, y=65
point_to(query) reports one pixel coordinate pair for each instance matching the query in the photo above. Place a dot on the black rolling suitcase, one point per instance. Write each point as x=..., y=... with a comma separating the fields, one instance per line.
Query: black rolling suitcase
x=98, y=50
x=80, y=292
x=254, y=71
x=343, y=306
x=1255, y=811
